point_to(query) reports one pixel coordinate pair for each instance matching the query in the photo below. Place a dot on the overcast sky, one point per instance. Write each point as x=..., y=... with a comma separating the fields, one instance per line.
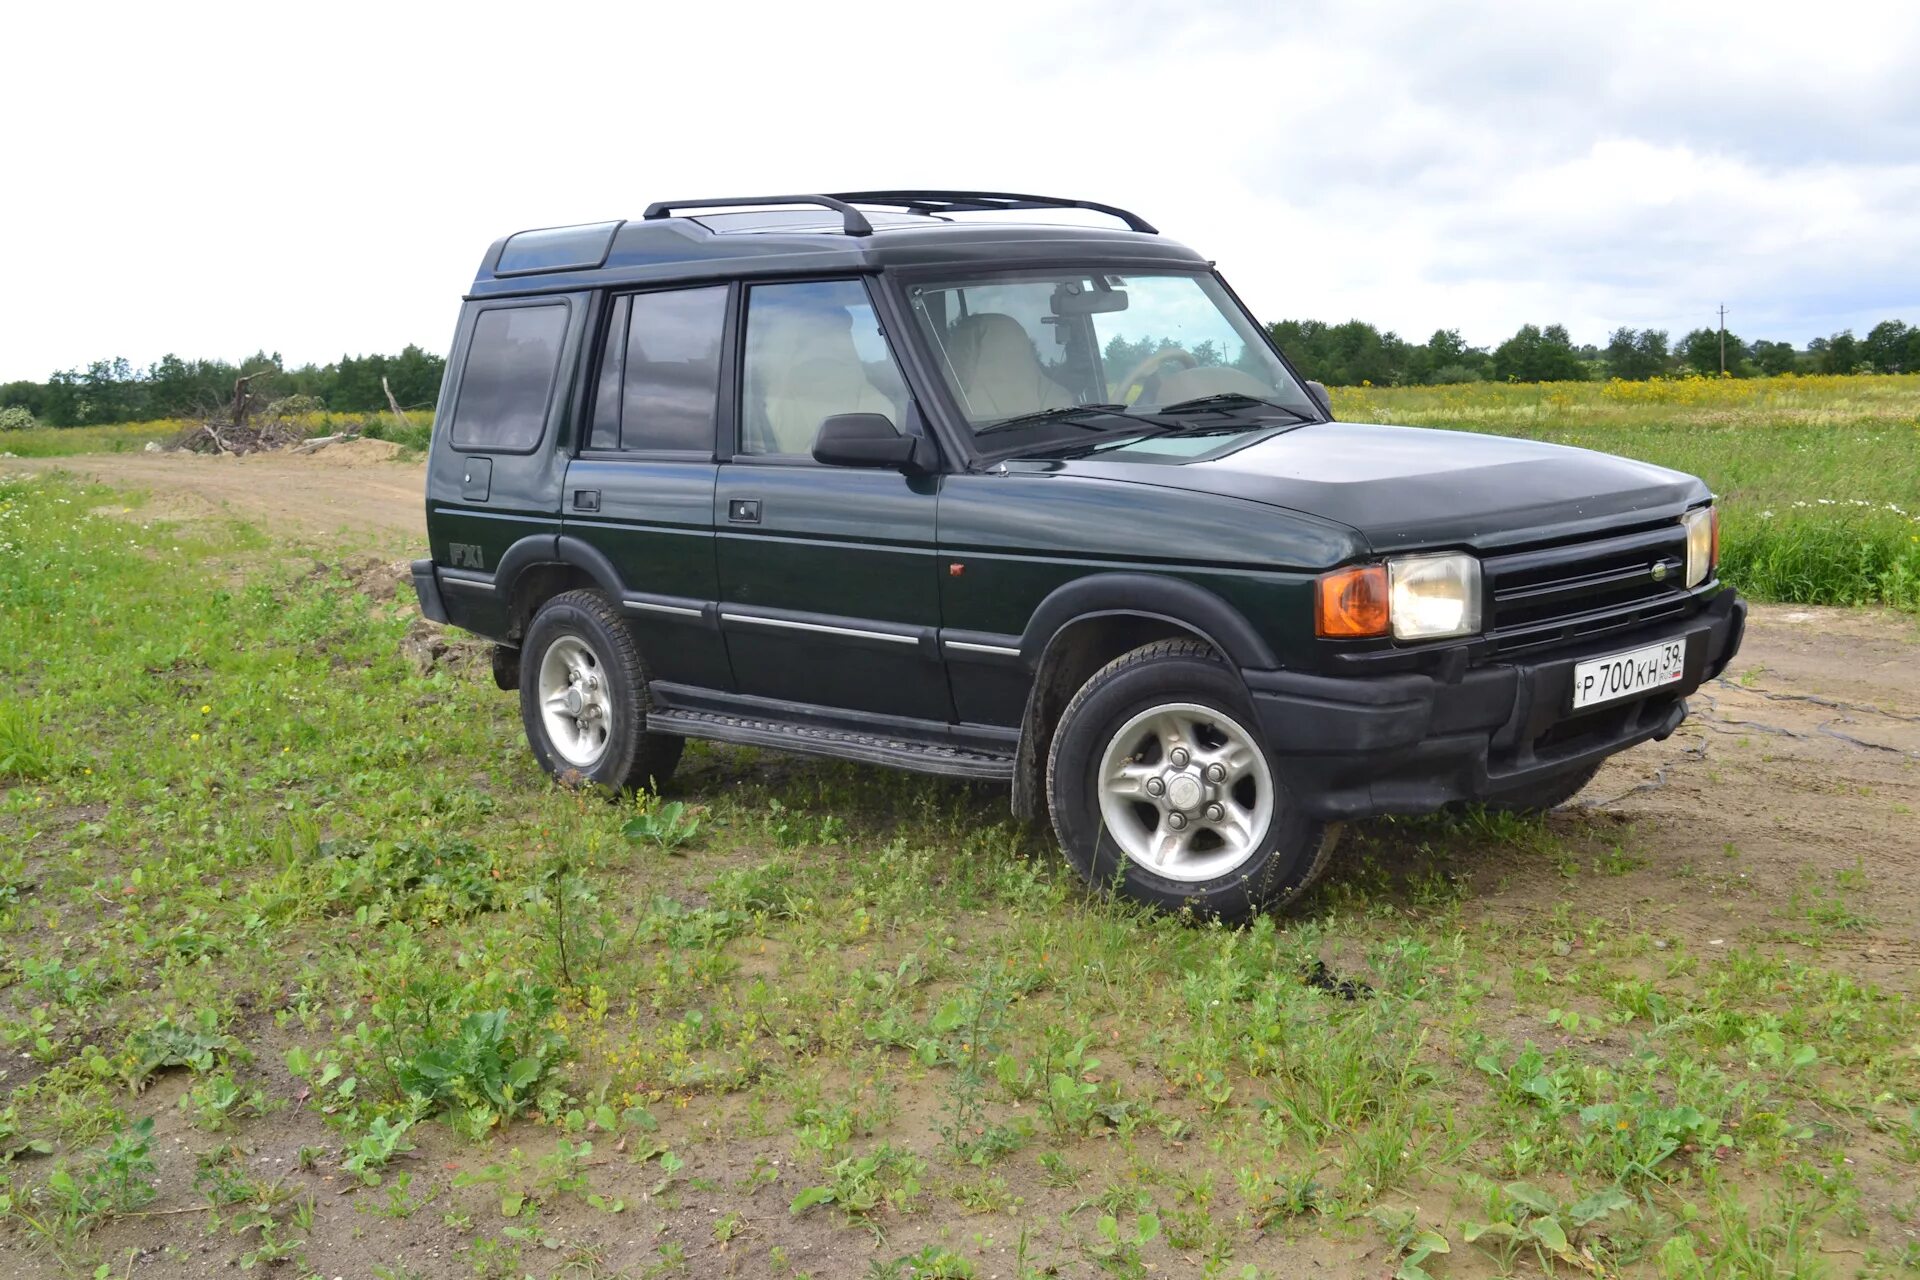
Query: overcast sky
x=323, y=178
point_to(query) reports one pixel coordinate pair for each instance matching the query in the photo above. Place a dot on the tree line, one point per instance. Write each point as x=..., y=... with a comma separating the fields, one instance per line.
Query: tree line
x=115, y=391
x=1349, y=354
x=1356, y=352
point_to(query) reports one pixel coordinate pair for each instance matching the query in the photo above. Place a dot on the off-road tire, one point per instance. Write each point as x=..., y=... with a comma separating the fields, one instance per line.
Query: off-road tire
x=1284, y=863
x=1548, y=793
x=633, y=757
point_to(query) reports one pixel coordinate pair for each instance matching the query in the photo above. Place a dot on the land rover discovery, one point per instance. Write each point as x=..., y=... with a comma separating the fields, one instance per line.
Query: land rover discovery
x=901, y=477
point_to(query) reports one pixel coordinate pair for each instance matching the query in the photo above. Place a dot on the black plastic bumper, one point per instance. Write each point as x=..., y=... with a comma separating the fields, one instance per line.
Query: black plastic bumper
x=426, y=585
x=1351, y=747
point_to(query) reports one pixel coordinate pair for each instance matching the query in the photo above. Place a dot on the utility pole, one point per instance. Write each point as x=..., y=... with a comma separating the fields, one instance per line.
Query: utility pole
x=1723, y=339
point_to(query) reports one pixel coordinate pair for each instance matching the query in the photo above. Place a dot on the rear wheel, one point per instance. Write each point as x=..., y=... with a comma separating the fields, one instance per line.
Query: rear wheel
x=1548, y=793
x=1160, y=785
x=583, y=697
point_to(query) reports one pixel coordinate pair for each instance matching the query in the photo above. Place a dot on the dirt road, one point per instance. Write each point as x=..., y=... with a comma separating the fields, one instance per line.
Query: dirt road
x=356, y=487
x=1800, y=765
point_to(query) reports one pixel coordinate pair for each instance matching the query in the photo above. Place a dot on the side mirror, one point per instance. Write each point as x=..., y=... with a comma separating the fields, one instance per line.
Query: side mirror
x=1318, y=391
x=868, y=440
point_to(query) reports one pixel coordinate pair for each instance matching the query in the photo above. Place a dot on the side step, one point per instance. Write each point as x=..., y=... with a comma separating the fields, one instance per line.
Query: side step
x=839, y=744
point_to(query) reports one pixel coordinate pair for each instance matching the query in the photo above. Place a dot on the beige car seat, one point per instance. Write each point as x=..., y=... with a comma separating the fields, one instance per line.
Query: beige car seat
x=999, y=372
x=803, y=368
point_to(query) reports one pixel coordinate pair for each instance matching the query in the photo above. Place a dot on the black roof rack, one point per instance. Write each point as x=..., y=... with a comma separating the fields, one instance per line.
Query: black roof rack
x=937, y=202
x=852, y=221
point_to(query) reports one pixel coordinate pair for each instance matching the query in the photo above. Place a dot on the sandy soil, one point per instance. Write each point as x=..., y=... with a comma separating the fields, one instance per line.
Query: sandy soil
x=358, y=488
x=1803, y=761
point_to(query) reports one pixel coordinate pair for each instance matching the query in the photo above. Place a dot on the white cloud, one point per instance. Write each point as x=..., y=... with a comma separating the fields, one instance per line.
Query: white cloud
x=324, y=178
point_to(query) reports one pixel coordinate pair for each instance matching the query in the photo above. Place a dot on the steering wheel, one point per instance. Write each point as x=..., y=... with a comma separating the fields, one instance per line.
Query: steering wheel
x=1151, y=368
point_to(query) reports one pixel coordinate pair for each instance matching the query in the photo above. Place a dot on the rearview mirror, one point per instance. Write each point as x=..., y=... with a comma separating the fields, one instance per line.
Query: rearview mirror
x=867, y=440
x=1318, y=391
x=1092, y=302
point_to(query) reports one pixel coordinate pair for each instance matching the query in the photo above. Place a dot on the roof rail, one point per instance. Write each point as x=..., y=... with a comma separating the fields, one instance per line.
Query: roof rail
x=852, y=221
x=936, y=202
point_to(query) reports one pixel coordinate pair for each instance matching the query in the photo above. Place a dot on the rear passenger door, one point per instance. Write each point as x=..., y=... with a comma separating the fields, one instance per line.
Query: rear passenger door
x=640, y=491
x=828, y=593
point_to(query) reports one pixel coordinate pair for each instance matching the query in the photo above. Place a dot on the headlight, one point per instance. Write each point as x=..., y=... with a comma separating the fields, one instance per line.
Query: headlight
x=1411, y=598
x=1433, y=596
x=1703, y=543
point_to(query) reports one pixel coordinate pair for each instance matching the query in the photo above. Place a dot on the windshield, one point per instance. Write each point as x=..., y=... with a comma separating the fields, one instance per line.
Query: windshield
x=1122, y=347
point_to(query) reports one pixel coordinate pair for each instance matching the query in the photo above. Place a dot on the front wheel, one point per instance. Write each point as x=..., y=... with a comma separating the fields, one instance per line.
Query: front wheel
x=1160, y=784
x=583, y=697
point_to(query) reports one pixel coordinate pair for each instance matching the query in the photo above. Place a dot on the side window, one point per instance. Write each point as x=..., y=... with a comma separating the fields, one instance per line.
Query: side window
x=660, y=371
x=813, y=350
x=507, y=383
x=606, y=398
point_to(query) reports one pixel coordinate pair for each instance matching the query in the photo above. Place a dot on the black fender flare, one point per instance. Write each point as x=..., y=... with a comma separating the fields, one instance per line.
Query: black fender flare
x=1175, y=601
x=539, y=549
x=534, y=549
x=586, y=556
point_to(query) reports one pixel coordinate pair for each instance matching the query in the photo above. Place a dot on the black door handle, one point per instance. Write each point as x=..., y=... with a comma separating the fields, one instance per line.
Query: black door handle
x=743, y=510
x=586, y=499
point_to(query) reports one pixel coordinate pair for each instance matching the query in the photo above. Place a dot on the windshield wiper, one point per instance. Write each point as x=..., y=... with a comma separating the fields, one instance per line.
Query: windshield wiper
x=1064, y=413
x=1234, y=400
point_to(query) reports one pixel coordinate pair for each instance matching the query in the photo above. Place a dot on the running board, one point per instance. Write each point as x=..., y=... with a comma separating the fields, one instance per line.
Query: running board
x=838, y=744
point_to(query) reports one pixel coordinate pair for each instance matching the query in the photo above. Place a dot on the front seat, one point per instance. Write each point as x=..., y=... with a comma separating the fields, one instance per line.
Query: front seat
x=999, y=372
x=803, y=368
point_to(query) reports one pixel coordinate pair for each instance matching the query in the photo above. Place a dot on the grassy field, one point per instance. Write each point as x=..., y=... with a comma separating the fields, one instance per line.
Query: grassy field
x=1819, y=477
x=132, y=437
x=307, y=966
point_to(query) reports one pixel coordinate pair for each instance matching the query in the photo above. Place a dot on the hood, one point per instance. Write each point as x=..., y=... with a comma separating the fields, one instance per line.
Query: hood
x=1407, y=487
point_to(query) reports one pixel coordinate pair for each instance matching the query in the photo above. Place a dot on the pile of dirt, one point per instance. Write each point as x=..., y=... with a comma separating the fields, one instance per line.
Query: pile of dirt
x=430, y=646
x=362, y=451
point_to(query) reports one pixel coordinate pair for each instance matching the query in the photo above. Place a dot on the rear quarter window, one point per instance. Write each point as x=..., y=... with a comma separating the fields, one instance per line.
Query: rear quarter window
x=507, y=383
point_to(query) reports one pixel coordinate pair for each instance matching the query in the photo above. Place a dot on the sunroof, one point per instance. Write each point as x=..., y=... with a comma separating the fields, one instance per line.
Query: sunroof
x=578, y=248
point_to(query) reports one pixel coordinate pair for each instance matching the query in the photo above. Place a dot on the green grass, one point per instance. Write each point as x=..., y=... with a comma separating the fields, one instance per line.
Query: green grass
x=1818, y=477
x=60, y=442
x=262, y=880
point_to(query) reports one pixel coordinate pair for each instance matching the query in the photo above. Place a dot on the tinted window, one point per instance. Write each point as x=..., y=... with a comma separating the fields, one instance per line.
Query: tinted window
x=606, y=400
x=672, y=376
x=660, y=371
x=813, y=350
x=508, y=379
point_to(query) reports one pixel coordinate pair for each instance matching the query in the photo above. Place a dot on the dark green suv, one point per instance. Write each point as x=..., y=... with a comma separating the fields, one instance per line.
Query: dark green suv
x=894, y=477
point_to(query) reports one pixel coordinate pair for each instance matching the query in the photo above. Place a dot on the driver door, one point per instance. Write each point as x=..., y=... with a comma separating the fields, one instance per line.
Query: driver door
x=829, y=594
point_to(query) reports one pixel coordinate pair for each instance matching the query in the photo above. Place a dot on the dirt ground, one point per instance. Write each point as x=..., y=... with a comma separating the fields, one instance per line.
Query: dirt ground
x=1803, y=760
x=357, y=487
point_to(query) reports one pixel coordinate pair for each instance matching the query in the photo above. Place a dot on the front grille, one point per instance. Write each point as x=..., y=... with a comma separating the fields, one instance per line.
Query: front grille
x=1536, y=597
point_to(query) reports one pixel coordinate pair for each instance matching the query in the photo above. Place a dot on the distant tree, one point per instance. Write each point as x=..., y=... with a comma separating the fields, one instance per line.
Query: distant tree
x=1841, y=353
x=31, y=396
x=1446, y=357
x=1534, y=354
x=1636, y=354
x=1774, y=357
x=1700, y=352
x=1888, y=347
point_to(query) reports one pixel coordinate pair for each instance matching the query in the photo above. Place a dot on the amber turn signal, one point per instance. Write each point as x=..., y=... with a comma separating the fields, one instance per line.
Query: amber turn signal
x=1353, y=602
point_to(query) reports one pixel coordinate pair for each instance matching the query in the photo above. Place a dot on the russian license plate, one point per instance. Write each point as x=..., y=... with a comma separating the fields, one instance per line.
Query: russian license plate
x=1625, y=674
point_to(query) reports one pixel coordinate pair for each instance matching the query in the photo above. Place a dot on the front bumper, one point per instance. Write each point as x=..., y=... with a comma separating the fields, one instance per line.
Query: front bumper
x=1353, y=747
